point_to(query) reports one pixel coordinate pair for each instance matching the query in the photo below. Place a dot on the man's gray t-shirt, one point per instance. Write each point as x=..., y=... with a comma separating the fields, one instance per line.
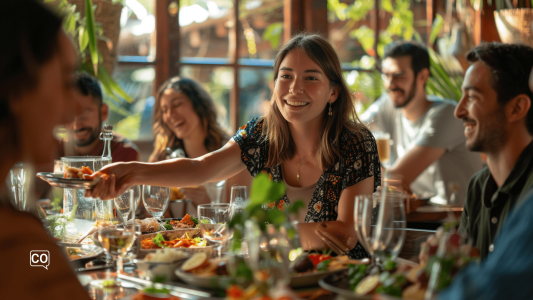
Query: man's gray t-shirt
x=436, y=128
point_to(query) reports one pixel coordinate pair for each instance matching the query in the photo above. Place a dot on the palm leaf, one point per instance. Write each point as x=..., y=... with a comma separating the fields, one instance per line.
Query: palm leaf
x=91, y=31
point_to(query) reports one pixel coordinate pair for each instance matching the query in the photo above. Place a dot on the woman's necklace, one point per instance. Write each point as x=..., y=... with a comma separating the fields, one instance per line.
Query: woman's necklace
x=301, y=163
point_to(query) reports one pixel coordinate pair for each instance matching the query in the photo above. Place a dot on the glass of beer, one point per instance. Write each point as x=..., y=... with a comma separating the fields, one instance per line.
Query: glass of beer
x=383, y=143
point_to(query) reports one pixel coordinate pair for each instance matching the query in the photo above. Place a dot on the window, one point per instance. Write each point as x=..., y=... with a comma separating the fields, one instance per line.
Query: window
x=135, y=70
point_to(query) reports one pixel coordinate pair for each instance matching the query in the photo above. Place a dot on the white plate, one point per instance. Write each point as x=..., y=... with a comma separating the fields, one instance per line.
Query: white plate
x=338, y=284
x=175, y=234
x=206, y=282
x=57, y=180
x=218, y=282
x=87, y=251
x=307, y=279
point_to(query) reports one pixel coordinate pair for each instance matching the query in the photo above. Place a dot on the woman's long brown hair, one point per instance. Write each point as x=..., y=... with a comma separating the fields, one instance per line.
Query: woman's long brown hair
x=202, y=104
x=277, y=131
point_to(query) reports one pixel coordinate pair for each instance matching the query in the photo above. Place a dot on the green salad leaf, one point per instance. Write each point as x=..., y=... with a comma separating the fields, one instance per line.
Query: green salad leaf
x=155, y=290
x=199, y=242
x=195, y=220
x=158, y=239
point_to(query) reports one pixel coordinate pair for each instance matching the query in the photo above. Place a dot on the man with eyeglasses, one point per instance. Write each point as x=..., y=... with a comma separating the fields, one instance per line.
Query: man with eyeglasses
x=428, y=148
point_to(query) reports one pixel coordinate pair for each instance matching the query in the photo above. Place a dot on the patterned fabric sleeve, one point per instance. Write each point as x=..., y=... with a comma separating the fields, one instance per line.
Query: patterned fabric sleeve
x=254, y=151
x=361, y=159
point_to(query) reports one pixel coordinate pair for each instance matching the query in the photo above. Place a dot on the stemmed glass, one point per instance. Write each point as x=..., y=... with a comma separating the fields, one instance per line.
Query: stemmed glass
x=213, y=219
x=380, y=224
x=122, y=203
x=156, y=199
x=393, y=223
x=238, y=196
x=118, y=241
x=268, y=255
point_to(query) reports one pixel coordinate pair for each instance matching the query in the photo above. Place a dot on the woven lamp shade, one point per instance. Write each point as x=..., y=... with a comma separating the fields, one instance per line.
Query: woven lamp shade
x=514, y=25
x=108, y=15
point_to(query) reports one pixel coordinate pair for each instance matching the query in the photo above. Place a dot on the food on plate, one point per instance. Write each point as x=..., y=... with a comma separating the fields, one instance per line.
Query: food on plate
x=153, y=293
x=79, y=173
x=321, y=262
x=175, y=194
x=187, y=221
x=74, y=253
x=154, y=225
x=149, y=224
x=367, y=285
x=200, y=265
x=412, y=282
x=159, y=242
x=166, y=255
x=235, y=292
x=195, y=262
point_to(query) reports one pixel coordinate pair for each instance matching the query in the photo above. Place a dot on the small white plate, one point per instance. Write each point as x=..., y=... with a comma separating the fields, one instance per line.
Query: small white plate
x=207, y=282
x=309, y=279
x=57, y=180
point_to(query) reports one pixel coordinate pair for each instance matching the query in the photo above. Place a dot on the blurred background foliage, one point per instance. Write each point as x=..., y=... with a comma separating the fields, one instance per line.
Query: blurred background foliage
x=446, y=72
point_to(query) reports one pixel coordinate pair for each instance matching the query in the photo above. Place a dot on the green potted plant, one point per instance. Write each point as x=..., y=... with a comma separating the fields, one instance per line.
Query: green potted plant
x=81, y=25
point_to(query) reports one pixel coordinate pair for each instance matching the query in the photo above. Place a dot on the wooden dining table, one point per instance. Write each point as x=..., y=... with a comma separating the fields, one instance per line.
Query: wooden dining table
x=131, y=284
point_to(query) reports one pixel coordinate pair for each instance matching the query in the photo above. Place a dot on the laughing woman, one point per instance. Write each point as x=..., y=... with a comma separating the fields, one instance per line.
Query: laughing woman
x=311, y=139
x=185, y=120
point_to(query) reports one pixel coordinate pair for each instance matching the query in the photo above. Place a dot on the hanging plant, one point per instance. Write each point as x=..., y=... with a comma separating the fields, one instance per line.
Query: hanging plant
x=84, y=30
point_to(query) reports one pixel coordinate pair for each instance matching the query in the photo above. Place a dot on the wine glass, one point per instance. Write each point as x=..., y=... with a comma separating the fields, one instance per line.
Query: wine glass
x=238, y=196
x=156, y=199
x=118, y=241
x=123, y=204
x=393, y=223
x=268, y=255
x=380, y=224
x=213, y=219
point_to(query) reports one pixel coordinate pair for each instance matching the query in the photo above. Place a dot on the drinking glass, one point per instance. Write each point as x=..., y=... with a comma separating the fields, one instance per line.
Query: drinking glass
x=213, y=219
x=118, y=241
x=214, y=190
x=238, y=196
x=19, y=185
x=156, y=199
x=268, y=255
x=394, y=222
x=122, y=203
x=383, y=144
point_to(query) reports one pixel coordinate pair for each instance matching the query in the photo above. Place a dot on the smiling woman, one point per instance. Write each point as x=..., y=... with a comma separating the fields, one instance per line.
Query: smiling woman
x=311, y=140
x=185, y=122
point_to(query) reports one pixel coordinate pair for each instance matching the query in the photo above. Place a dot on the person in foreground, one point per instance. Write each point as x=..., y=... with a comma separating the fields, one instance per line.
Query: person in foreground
x=37, y=92
x=507, y=272
x=83, y=135
x=307, y=139
x=498, y=120
x=185, y=121
x=429, y=146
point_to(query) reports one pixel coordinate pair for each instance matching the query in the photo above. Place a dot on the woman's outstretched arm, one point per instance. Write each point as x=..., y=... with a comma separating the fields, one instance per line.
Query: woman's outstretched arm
x=214, y=166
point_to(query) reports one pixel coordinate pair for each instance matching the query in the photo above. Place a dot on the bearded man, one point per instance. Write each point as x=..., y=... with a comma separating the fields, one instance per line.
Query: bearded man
x=83, y=135
x=428, y=148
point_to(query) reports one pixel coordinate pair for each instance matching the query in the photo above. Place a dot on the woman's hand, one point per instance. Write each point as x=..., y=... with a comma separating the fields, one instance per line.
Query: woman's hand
x=120, y=177
x=198, y=195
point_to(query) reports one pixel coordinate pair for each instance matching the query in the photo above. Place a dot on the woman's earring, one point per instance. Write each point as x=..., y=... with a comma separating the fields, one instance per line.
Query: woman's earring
x=330, y=111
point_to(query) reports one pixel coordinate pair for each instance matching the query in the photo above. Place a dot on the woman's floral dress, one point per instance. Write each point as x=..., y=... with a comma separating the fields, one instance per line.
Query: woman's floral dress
x=359, y=160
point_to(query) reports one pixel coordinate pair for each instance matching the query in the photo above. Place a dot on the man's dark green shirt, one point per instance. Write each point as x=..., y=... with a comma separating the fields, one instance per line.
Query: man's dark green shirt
x=487, y=206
